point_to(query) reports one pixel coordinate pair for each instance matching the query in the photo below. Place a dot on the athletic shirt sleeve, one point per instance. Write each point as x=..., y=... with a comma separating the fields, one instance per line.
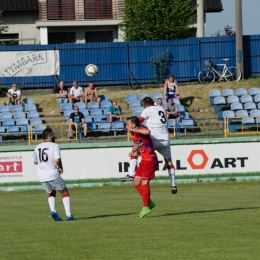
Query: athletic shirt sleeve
x=145, y=114
x=71, y=91
x=34, y=157
x=57, y=154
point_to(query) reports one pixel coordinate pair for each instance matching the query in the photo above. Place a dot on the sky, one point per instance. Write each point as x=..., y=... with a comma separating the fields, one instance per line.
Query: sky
x=250, y=19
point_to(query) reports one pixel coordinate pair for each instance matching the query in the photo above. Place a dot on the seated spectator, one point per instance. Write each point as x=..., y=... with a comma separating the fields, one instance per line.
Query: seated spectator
x=171, y=89
x=62, y=94
x=160, y=103
x=77, y=118
x=13, y=96
x=115, y=112
x=91, y=94
x=76, y=93
x=172, y=110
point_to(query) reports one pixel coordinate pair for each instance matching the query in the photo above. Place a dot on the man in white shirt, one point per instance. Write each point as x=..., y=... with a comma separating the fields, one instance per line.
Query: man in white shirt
x=47, y=156
x=156, y=121
x=14, y=96
x=76, y=93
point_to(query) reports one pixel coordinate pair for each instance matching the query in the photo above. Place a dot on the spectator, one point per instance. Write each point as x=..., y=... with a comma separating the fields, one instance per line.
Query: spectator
x=62, y=94
x=91, y=94
x=115, y=112
x=171, y=89
x=13, y=96
x=76, y=93
x=160, y=103
x=78, y=119
x=172, y=110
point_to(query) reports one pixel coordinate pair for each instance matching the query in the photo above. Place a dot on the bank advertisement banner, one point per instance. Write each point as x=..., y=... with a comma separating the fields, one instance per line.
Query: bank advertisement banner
x=114, y=162
x=29, y=63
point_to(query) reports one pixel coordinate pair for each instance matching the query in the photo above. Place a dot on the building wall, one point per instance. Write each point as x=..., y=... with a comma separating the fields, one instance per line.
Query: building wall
x=22, y=23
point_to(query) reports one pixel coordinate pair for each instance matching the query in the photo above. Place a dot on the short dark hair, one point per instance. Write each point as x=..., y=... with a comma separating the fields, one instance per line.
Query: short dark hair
x=171, y=76
x=46, y=132
x=134, y=120
x=147, y=101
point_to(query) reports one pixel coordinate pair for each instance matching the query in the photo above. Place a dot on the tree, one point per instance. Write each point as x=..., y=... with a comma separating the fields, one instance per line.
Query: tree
x=218, y=33
x=3, y=28
x=157, y=19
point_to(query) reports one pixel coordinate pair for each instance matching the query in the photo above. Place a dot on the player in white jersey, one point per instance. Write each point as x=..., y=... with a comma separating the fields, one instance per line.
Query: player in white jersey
x=156, y=121
x=47, y=156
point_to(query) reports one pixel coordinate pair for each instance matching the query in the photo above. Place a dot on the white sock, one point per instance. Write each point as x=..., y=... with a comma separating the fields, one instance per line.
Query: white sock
x=132, y=167
x=66, y=203
x=52, y=203
x=172, y=176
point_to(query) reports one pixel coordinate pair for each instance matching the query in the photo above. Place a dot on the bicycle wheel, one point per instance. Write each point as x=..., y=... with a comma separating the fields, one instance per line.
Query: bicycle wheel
x=232, y=73
x=206, y=76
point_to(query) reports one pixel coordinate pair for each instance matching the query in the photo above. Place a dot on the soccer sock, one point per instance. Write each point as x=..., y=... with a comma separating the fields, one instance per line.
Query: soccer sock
x=133, y=164
x=171, y=172
x=52, y=203
x=146, y=194
x=139, y=189
x=66, y=203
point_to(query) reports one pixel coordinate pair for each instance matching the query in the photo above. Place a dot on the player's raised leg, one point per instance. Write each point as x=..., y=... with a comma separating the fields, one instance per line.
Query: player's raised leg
x=171, y=172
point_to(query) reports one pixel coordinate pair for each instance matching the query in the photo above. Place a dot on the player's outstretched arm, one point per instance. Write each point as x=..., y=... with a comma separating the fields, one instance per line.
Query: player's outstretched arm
x=143, y=130
x=59, y=165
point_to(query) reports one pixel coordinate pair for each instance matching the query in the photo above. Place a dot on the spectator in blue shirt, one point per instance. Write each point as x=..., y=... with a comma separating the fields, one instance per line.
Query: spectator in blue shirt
x=115, y=112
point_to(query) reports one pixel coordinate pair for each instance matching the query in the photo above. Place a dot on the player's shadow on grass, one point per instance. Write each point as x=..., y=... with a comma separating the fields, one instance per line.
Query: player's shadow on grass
x=106, y=216
x=203, y=211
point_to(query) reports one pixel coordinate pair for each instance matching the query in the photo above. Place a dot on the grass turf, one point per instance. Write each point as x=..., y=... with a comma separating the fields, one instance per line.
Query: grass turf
x=203, y=221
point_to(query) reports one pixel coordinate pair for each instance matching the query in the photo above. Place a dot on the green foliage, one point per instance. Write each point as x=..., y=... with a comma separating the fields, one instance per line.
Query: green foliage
x=161, y=65
x=157, y=19
x=3, y=28
x=218, y=33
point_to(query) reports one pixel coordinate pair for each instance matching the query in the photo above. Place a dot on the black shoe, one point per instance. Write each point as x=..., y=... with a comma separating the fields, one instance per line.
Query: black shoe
x=127, y=178
x=174, y=190
x=84, y=138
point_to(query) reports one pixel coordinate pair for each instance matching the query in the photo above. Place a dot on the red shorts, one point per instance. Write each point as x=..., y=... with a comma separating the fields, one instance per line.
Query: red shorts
x=146, y=169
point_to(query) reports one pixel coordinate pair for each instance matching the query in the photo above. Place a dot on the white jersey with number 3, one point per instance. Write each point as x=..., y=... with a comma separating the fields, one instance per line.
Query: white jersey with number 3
x=45, y=154
x=156, y=121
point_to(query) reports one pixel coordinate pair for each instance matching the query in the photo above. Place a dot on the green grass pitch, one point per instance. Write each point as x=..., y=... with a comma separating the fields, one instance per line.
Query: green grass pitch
x=219, y=220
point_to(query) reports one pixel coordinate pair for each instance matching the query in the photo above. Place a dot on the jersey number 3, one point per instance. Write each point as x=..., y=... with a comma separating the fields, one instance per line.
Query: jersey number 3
x=43, y=156
x=163, y=118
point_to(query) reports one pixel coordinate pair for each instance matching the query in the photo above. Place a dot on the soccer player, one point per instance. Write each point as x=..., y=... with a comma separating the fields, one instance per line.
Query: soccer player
x=156, y=121
x=47, y=156
x=146, y=169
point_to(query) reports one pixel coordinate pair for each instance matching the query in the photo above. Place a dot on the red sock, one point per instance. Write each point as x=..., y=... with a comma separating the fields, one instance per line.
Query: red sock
x=139, y=189
x=146, y=194
x=64, y=195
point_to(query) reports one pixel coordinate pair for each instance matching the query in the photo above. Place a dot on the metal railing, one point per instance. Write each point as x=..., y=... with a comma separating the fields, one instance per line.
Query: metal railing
x=80, y=10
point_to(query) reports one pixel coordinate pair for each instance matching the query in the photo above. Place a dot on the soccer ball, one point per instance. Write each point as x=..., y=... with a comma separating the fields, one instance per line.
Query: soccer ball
x=91, y=70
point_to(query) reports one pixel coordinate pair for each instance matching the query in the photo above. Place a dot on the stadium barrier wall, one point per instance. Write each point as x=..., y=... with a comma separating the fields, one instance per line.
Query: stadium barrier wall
x=110, y=160
x=115, y=60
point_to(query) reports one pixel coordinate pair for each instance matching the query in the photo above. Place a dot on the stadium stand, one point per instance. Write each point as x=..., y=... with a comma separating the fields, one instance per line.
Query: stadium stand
x=227, y=92
x=240, y=92
x=130, y=97
x=254, y=91
x=142, y=96
x=212, y=94
x=246, y=98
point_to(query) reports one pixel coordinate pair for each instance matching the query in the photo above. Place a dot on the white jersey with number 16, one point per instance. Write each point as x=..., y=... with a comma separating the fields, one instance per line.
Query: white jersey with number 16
x=156, y=121
x=45, y=154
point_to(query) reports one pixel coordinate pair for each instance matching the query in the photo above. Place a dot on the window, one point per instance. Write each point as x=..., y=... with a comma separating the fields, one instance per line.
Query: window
x=98, y=9
x=10, y=36
x=63, y=37
x=61, y=9
x=99, y=36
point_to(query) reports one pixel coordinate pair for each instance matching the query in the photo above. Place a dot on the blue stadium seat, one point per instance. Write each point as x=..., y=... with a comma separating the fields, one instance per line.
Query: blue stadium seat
x=106, y=112
x=92, y=105
x=5, y=115
x=26, y=101
x=156, y=95
x=142, y=96
x=164, y=101
x=67, y=112
x=255, y=113
x=96, y=111
x=84, y=111
x=103, y=97
x=134, y=103
x=130, y=97
x=240, y=92
x=228, y=113
x=88, y=118
x=212, y=94
x=118, y=126
x=241, y=113
x=32, y=114
x=257, y=98
x=80, y=105
x=19, y=114
x=30, y=107
x=4, y=109
x=227, y=92
x=236, y=106
x=105, y=104
x=103, y=127
x=176, y=101
x=219, y=103
x=10, y=126
x=254, y=91
x=187, y=124
x=248, y=121
x=65, y=106
x=137, y=111
x=37, y=126
x=232, y=99
x=16, y=108
x=35, y=120
x=100, y=118
x=249, y=106
x=23, y=124
x=186, y=115
x=246, y=98
x=257, y=120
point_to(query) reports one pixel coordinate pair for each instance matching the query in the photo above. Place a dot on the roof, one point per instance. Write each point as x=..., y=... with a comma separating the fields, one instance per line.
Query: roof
x=19, y=5
x=211, y=6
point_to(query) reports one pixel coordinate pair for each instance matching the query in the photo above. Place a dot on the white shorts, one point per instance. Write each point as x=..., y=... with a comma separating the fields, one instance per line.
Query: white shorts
x=57, y=184
x=162, y=147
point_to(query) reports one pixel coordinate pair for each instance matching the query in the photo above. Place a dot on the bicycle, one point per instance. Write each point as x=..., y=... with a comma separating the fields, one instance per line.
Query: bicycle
x=208, y=75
